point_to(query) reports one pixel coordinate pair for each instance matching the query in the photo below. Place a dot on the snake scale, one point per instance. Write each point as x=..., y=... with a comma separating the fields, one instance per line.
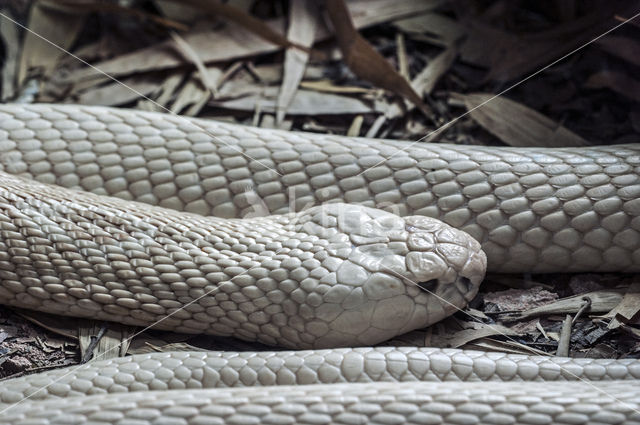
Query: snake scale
x=151, y=219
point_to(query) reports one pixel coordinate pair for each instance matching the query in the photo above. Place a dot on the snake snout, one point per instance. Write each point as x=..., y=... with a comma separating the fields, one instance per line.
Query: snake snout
x=384, y=265
x=447, y=266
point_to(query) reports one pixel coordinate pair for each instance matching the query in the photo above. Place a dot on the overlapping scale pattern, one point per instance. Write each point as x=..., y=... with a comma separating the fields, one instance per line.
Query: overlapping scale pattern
x=381, y=403
x=532, y=209
x=196, y=370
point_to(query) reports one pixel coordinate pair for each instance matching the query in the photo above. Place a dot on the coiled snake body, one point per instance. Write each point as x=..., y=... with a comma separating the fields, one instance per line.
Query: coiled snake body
x=167, y=248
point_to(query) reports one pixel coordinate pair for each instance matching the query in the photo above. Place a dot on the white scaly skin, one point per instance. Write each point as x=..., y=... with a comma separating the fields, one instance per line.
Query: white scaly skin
x=80, y=254
x=533, y=209
x=211, y=369
x=381, y=403
x=329, y=276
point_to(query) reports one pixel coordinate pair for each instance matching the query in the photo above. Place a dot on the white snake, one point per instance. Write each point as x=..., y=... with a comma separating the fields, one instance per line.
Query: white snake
x=326, y=276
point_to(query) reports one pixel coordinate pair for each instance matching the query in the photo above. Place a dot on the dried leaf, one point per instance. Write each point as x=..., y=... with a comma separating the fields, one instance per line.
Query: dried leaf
x=517, y=125
x=120, y=93
x=230, y=42
x=55, y=24
x=511, y=347
x=243, y=19
x=356, y=126
x=193, y=95
x=105, y=7
x=365, y=61
x=304, y=103
x=372, y=12
x=403, y=60
x=618, y=82
x=628, y=307
x=432, y=27
x=376, y=126
x=60, y=325
x=465, y=336
x=168, y=88
x=193, y=57
x=272, y=73
x=181, y=12
x=510, y=56
x=426, y=80
x=233, y=42
x=303, y=21
x=150, y=347
x=328, y=87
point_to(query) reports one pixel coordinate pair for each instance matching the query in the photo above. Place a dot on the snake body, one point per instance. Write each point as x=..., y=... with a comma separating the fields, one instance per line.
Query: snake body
x=132, y=216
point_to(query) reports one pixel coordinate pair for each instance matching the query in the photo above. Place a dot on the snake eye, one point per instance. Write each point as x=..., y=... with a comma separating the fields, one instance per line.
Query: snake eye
x=429, y=285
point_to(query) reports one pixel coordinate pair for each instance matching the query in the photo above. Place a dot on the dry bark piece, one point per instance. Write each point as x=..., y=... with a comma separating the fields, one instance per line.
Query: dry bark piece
x=103, y=340
x=516, y=124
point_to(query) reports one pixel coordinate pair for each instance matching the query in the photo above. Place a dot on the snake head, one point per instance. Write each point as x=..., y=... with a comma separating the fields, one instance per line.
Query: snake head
x=387, y=275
